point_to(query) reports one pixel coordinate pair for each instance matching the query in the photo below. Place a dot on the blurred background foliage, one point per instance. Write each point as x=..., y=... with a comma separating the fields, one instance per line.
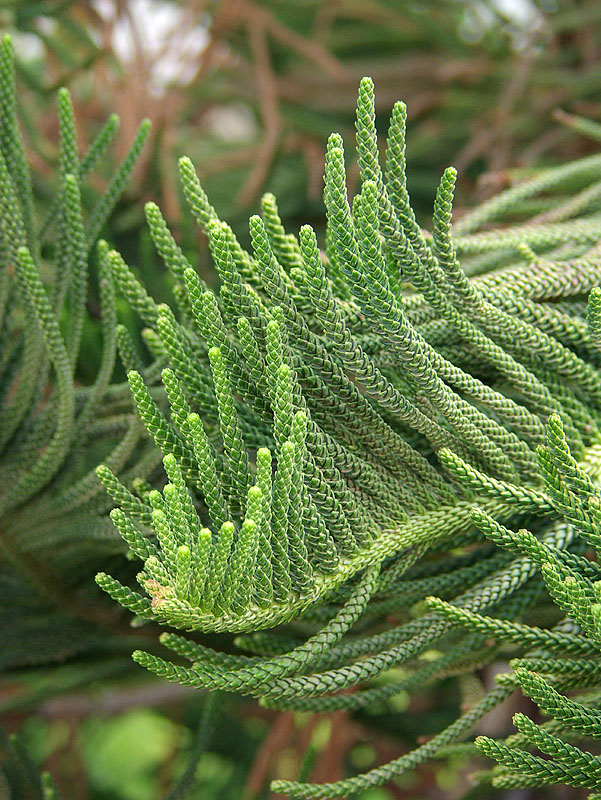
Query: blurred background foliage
x=250, y=90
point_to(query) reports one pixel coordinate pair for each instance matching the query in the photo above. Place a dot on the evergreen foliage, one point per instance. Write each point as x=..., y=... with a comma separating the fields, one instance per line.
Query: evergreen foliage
x=344, y=434
x=54, y=531
x=565, y=657
x=369, y=419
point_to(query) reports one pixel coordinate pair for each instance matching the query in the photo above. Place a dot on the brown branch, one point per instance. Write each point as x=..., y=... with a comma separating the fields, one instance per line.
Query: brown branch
x=311, y=50
x=277, y=738
x=268, y=101
x=329, y=766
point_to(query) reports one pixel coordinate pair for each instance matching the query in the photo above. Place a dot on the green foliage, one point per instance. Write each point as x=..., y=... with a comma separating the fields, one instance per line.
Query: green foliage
x=19, y=774
x=565, y=657
x=369, y=419
x=350, y=438
x=54, y=529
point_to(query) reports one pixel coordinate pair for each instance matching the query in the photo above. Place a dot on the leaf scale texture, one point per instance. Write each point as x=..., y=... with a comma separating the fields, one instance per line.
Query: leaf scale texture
x=379, y=453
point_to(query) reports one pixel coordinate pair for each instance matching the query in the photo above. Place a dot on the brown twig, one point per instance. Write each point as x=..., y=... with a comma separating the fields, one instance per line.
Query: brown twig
x=277, y=738
x=268, y=102
x=330, y=763
x=311, y=50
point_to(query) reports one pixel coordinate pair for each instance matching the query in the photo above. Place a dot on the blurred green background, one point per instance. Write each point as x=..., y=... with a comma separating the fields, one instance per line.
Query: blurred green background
x=250, y=90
